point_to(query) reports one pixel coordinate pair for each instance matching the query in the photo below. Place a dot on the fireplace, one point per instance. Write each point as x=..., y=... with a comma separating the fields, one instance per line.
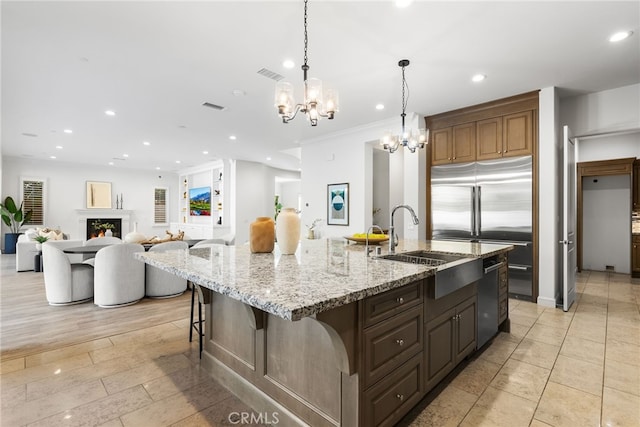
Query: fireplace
x=99, y=227
x=86, y=217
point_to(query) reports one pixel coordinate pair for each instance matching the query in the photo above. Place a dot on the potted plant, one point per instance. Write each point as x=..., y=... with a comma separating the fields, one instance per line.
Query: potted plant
x=40, y=240
x=14, y=218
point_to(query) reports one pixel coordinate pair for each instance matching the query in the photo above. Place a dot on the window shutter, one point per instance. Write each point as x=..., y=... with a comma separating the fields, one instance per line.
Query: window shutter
x=33, y=200
x=160, y=206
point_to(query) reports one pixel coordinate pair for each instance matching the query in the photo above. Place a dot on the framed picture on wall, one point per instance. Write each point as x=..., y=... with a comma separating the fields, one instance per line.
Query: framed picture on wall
x=98, y=195
x=338, y=204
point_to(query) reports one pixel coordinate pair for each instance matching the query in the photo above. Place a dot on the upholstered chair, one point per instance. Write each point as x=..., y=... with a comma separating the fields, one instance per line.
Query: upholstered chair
x=98, y=241
x=161, y=284
x=119, y=276
x=208, y=242
x=65, y=282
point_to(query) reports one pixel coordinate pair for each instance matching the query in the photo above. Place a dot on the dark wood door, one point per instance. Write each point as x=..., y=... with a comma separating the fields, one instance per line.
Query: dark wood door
x=636, y=185
x=440, y=352
x=635, y=256
x=466, y=323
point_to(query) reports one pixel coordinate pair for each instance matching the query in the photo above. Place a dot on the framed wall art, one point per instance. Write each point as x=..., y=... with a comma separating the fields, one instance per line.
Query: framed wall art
x=98, y=195
x=338, y=204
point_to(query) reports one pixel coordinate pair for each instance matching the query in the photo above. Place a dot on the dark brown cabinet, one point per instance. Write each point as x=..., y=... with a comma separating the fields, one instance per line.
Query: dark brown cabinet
x=456, y=144
x=449, y=338
x=635, y=256
x=636, y=185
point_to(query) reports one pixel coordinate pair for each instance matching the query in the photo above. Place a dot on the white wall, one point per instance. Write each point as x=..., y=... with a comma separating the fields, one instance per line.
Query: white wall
x=66, y=191
x=606, y=223
x=549, y=184
x=348, y=157
x=289, y=192
x=255, y=190
x=608, y=147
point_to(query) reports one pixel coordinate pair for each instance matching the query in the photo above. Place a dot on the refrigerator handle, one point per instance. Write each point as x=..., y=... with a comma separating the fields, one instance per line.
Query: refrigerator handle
x=473, y=211
x=479, y=211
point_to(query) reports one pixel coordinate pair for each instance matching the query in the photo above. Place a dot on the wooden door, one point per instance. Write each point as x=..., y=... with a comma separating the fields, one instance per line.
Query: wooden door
x=489, y=137
x=464, y=143
x=517, y=134
x=635, y=256
x=466, y=319
x=440, y=352
x=636, y=185
x=441, y=147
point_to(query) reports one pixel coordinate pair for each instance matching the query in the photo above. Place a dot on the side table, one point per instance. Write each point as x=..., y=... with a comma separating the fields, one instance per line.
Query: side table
x=37, y=262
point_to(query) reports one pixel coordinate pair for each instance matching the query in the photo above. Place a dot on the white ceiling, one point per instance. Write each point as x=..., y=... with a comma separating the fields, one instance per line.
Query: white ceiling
x=155, y=62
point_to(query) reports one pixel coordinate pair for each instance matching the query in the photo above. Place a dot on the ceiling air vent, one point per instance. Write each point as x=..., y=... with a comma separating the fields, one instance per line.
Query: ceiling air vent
x=270, y=74
x=214, y=106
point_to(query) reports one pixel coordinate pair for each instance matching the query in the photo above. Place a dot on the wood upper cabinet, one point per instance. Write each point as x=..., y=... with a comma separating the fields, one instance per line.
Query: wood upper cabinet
x=517, y=134
x=636, y=185
x=456, y=144
x=489, y=134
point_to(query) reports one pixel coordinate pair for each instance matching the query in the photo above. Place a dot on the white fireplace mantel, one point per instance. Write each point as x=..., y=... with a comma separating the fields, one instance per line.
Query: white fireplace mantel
x=84, y=214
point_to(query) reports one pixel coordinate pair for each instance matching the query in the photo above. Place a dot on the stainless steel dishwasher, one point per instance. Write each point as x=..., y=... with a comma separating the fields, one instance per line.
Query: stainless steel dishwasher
x=488, y=301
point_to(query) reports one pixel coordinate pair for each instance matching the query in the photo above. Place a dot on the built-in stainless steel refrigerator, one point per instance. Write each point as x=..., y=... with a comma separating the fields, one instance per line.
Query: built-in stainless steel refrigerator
x=488, y=201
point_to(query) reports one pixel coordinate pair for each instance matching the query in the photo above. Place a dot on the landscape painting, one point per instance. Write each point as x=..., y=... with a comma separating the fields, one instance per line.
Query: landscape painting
x=200, y=201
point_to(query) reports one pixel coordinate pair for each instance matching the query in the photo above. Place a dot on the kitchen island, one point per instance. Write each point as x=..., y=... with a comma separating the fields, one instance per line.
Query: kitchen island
x=329, y=336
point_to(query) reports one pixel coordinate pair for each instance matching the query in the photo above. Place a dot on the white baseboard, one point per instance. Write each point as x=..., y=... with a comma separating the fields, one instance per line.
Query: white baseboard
x=547, y=302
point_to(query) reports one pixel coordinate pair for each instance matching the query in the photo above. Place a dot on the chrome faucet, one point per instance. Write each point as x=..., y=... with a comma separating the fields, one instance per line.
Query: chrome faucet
x=366, y=247
x=392, y=236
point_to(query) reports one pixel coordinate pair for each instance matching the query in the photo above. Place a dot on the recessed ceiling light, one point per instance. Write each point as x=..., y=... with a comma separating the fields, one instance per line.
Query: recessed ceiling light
x=288, y=64
x=403, y=3
x=268, y=158
x=110, y=163
x=52, y=157
x=232, y=137
x=157, y=168
x=478, y=78
x=125, y=155
x=380, y=107
x=177, y=161
x=110, y=113
x=238, y=92
x=205, y=152
x=68, y=131
x=146, y=143
x=59, y=147
x=620, y=35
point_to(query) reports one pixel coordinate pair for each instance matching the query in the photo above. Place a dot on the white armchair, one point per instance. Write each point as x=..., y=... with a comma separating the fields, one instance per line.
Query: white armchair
x=65, y=282
x=119, y=277
x=161, y=284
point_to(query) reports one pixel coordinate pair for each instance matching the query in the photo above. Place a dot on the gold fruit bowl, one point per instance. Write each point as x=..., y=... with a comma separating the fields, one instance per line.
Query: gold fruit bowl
x=374, y=239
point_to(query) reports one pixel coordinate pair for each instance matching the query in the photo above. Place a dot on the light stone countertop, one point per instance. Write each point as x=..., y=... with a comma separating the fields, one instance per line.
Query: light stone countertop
x=323, y=274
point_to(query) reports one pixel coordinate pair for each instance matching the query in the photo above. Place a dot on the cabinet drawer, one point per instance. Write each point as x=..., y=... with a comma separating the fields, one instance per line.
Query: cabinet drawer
x=503, y=280
x=389, y=344
x=385, y=305
x=503, y=309
x=388, y=401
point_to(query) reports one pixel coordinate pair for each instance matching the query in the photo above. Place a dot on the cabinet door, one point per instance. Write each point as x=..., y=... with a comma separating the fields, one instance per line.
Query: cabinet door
x=517, y=134
x=466, y=321
x=440, y=354
x=464, y=143
x=489, y=136
x=635, y=256
x=441, y=146
x=636, y=184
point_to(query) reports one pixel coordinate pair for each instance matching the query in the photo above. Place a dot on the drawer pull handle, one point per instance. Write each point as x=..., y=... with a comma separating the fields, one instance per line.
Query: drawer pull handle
x=400, y=396
x=400, y=300
x=400, y=342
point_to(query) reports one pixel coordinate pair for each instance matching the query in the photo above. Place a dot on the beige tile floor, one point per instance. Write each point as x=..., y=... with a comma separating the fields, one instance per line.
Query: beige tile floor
x=580, y=368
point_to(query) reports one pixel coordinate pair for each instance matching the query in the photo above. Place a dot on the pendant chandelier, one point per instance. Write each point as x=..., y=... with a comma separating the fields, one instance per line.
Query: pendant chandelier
x=315, y=104
x=407, y=138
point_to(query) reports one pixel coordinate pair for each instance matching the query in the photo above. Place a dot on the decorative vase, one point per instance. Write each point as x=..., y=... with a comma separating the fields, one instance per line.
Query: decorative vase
x=288, y=231
x=108, y=233
x=311, y=234
x=261, y=235
x=134, y=236
x=38, y=246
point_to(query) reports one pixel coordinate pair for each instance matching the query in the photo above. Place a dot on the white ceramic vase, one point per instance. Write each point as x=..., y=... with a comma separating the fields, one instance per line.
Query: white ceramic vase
x=134, y=236
x=108, y=233
x=288, y=231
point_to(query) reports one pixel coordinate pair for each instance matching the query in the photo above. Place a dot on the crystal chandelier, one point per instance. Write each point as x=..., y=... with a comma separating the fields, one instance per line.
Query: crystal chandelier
x=407, y=138
x=315, y=104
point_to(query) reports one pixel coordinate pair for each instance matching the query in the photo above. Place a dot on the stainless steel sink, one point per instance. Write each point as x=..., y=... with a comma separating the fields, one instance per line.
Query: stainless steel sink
x=452, y=271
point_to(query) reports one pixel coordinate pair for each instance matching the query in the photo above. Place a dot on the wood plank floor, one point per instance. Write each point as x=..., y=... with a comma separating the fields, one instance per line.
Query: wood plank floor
x=29, y=325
